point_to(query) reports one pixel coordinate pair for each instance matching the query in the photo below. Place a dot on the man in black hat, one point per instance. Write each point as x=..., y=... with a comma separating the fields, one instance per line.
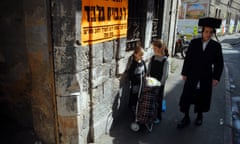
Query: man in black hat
x=201, y=71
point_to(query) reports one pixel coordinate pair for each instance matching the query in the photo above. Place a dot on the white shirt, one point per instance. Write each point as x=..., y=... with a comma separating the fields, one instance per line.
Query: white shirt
x=205, y=44
x=204, y=47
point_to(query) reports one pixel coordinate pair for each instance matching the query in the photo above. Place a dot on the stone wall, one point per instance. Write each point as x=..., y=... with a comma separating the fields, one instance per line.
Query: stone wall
x=71, y=67
x=67, y=92
x=90, y=86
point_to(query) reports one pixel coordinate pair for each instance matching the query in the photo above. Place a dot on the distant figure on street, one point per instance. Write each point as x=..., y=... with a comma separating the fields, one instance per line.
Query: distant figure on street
x=201, y=71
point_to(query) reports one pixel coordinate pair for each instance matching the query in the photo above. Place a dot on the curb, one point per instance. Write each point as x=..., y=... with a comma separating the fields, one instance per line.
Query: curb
x=228, y=134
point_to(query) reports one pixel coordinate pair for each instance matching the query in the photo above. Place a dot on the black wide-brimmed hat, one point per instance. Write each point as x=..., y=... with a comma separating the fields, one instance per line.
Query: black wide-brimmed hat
x=210, y=22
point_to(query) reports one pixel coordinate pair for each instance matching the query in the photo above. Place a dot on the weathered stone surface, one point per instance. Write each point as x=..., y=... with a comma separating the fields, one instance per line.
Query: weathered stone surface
x=66, y=84
x=65, y=60
x=69, y=125
x=83, y=78
x=121, y=43
x=38, y=46
x=108, y=51
x=113, y=68
x=122, y=63
x=63, y=31
x=71, y=83
x=69, y=105
x=70, y=130
x=82, y=58
x=101, y=117
x=117, y=83
x=97, y=54
x=107, y=91
x=98, y=94
x=100, y=74
x=103, y=124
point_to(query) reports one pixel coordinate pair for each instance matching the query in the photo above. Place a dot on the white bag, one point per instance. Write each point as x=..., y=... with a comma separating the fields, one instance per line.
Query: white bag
x=152, y=82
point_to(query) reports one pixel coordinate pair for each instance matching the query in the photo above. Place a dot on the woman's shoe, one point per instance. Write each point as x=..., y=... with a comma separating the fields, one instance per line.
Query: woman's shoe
x=157, y=121
x=184, y=122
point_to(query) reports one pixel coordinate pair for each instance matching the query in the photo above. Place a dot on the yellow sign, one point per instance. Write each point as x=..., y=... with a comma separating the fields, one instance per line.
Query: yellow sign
x=103, y=20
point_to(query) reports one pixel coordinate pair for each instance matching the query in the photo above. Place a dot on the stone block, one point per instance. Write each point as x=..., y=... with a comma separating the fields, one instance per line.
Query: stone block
x=70, y=83
x=66, y=84
x=102, y=119
x=82, y=58
x=73, y=105
x=63, y=31
x=83, y=78
x=103, y=125
x=108, y=51
x=115, y=88
x=122, y=63
x=121, y=48
x=121, y=66
x=69, y=126
x=107, y=90
x=97, y=54
x=113, y=68
x=69, y=105
x=65, y=60
x=97, y=94
x=71, y=130
x=100, y=74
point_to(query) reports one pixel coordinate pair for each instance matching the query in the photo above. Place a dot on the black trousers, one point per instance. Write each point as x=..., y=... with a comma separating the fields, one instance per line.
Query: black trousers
x=193, y=102
x=134, y=92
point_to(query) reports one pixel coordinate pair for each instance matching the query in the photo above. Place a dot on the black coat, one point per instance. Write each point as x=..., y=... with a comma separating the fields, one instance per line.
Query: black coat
x=203, y=66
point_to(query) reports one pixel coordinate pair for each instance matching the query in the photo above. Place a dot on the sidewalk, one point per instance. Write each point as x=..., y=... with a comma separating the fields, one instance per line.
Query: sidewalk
x=231, y=51
x=211, y=132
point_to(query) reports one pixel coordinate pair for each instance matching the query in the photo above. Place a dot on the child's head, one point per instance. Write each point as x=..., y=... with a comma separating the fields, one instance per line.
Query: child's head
x=138, y=53
x=159, y=47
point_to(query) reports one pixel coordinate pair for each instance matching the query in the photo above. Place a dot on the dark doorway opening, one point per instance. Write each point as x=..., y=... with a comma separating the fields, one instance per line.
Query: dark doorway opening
x=16, y=122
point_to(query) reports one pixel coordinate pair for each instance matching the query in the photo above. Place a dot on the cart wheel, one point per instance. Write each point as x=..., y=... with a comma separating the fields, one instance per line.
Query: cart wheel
x=135, y=127
x=149, y=127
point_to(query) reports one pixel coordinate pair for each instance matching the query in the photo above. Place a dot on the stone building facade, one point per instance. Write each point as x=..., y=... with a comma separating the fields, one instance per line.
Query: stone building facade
x=67, y=92
x=228, y=11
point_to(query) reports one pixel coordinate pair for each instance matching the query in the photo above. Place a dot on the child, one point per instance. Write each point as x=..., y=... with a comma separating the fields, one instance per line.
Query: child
x=158, y=68
x=136, y=70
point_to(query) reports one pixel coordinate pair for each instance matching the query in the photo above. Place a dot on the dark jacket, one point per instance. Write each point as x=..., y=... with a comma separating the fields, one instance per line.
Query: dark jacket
x=201, y=66
x=136, y=71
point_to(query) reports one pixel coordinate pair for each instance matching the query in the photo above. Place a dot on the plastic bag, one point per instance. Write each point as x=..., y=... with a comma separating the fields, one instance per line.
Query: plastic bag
x=164, y=106
x=152, y=82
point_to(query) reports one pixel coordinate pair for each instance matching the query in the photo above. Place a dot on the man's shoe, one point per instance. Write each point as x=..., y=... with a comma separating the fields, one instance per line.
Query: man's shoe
x=199, y=121
x=184, y=122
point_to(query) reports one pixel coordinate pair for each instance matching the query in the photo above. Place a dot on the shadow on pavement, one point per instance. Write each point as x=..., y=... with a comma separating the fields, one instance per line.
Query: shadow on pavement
x=211, y=132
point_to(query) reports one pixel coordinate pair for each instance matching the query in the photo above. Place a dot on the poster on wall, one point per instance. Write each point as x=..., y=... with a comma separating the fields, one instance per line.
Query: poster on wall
x=193, y=9
x=103, y=20
x=196, y=10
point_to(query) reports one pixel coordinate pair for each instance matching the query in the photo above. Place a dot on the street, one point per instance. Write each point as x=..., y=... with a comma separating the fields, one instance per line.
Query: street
x=213, y=129
x=231, y=50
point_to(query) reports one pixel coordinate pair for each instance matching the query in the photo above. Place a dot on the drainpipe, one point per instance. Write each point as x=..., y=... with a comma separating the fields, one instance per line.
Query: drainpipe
x=90, y=138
